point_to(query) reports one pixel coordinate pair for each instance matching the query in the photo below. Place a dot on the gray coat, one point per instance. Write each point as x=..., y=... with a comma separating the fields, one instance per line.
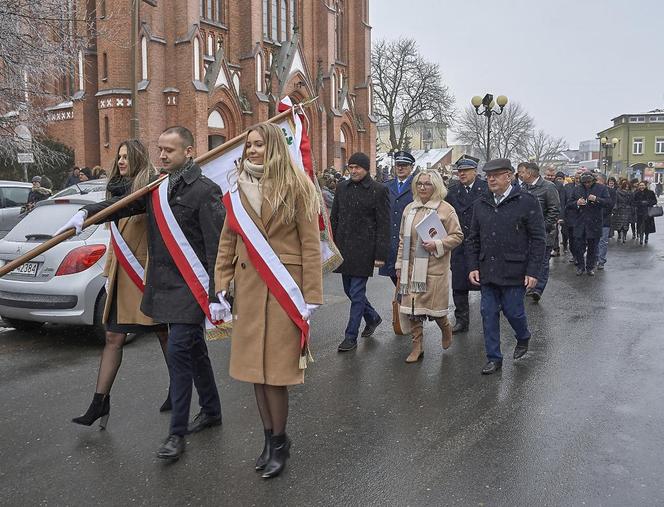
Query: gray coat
x=549, y=200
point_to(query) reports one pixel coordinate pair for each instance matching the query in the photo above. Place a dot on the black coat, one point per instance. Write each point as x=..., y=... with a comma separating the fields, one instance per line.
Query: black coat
x=570, y=214
x=642, y=201
x=463, y=202
x=589, y=220
x=508, y=241
x=607, y=212
x=398, y=203
x=196, y=204
x=361, y=225
x=623, y=213
x=547, y=195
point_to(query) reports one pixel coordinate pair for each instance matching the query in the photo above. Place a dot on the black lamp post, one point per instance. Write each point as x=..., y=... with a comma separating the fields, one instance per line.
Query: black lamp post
x=487, y=109
x=607, y=145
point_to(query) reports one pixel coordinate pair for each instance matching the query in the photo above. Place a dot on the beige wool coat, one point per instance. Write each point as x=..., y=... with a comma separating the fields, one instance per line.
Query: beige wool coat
x=435, y=301
x=265, y=343
x=128, y=303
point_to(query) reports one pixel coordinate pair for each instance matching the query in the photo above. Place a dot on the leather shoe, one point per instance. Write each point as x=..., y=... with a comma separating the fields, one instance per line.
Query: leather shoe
x=520, y=350
x=579, y=271
x=492, y=367
x=459, y=327
x=347, y=344
x=370, y=328
x=591, y=272
x=202, y=421
x=172, y=448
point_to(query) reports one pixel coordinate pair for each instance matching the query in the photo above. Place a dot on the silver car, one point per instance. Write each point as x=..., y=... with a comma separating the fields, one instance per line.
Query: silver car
x=13, y=195
x=65, y=284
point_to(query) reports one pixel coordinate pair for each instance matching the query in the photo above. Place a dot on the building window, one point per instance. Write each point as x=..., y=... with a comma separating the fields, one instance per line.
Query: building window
x=201, y=10
x=333, y=90
x=292, y=17
x=107, y=132
x=274, y=19
x=339, y=27
x=259, y=73
x=104, y=67
x=144, y=58
x=657, y=119
x=637, y=119
x=266, y=17
x=102, y=9
x=637, y=146
x=279, y=18
x=659, y=146
x=197, y=59
x=80, y=70
x=210, y=44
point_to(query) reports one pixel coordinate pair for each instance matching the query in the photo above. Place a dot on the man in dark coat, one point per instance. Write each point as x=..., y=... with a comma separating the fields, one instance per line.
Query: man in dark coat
x=361, y=229
x=462, y=197
x=198, y=210
x=562, y=230
x=588, y=200
x=504, y=250
x=401, y=195
x=571, y=214
x=607, y=212
x=547, y=195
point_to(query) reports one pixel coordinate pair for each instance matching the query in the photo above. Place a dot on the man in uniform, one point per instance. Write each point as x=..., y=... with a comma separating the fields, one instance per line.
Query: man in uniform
x=504, y=249
x=462, y=197
x=401, y=195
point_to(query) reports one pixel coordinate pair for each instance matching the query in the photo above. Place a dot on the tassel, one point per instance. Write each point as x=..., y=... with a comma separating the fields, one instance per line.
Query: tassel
x=303, y=362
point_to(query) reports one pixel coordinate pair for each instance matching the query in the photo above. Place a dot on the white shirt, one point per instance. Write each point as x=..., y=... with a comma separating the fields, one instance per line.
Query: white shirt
x=505, y=194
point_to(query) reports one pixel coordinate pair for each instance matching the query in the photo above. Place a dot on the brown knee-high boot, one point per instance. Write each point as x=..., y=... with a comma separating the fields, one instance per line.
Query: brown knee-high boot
x=446, y=328
x=417, y=353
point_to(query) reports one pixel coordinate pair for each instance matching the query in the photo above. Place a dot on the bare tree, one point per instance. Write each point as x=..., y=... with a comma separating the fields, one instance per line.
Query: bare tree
x=542, y=148
x=39, y=44
x=509, y=131
x=407, y=89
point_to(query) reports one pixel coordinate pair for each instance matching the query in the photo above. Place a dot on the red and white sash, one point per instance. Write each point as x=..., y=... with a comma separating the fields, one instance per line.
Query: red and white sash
x=127, y=259
x=184, y=256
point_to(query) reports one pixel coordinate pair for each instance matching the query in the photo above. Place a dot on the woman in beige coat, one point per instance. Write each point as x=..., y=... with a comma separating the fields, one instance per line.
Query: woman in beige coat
x=132, y=170
x=265, y=348
x=423, y=267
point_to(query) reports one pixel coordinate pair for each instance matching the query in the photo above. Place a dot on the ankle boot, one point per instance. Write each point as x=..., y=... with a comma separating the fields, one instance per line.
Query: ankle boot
x=446, y=328
x=262, y=460
x=417, y=353
x=279, y=453
x=100, y=408
x=166, y=406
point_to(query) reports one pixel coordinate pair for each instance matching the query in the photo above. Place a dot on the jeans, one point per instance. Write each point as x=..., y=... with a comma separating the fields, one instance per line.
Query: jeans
x=585, y=247
x=188, y=361
x=509, y=299
x=355, y=288
x=543, y=277
x=603, y=247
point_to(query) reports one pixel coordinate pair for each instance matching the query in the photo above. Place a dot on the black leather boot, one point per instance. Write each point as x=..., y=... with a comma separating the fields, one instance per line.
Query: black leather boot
x=262, y=460
x=100, y=408
x=279, y=453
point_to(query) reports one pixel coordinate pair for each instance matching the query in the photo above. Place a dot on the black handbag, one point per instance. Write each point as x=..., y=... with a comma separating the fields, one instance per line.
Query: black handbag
x=655, y=211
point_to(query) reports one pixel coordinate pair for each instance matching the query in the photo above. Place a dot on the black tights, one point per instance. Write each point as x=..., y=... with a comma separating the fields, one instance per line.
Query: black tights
x=272, y=404
x=111, y=358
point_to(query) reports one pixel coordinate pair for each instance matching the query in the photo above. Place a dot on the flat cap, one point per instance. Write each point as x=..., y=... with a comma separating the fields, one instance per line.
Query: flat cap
x=497, y=164
x=403, y=157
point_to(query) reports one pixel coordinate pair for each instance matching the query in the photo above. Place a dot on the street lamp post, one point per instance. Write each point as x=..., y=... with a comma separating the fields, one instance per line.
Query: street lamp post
x=488, y=110
x=606, y=145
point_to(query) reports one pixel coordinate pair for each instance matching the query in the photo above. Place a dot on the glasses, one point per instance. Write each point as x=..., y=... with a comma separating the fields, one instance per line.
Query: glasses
x=424, y=185
x=493, y=175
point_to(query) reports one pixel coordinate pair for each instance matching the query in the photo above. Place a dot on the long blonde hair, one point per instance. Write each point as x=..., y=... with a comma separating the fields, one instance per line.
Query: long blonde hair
x=287, y=183
x=140, y=167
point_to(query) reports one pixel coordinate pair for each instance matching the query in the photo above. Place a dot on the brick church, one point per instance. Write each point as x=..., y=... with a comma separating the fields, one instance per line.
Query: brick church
x=217, y=67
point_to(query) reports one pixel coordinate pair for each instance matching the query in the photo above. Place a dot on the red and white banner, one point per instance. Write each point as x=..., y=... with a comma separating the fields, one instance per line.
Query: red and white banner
x=127, y=259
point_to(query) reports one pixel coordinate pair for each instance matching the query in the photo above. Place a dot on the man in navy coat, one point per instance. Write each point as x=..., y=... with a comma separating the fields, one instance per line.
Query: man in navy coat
x=588, y=200
x=505, y=250
x=401, y=195
x=462, y=197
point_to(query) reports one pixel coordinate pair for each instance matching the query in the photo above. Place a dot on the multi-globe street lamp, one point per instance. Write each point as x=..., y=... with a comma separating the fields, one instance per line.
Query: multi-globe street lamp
x=487, y=109
x=607, y=145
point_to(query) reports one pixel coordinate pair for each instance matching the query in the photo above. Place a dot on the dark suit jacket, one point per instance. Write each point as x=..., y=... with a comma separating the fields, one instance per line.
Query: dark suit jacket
x=398, y=202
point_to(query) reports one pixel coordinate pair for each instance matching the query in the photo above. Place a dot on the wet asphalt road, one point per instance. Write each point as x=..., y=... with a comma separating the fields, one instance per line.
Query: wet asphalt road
x=578, y=421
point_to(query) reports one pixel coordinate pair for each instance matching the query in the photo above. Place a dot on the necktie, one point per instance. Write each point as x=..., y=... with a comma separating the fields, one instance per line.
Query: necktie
x=468, y=190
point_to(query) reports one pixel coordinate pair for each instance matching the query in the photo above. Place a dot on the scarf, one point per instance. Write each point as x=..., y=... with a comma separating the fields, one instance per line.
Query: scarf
x=176, y=176
x=418, y=280
x=119, y=186
x=250, y=183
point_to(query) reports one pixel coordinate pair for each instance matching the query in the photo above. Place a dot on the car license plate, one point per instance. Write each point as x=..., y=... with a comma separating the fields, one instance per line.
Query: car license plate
x=29, y=268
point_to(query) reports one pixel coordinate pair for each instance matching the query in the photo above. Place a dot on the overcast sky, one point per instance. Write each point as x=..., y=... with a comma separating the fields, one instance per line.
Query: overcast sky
x=573, y=64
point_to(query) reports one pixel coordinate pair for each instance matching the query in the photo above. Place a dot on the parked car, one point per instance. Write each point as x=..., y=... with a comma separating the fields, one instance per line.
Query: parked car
x=65, y=284
x=13, y=195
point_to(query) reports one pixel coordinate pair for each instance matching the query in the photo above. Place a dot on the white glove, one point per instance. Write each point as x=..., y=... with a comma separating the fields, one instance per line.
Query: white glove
x=309, y=311
x=222, y=310
x=75, y=222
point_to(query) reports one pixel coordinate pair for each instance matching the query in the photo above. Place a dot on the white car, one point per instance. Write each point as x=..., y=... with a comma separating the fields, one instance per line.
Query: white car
x=65, y=284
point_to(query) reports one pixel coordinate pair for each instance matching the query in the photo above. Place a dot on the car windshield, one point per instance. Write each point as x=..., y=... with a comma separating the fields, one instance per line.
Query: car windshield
x=83, y=188
x=43, y=221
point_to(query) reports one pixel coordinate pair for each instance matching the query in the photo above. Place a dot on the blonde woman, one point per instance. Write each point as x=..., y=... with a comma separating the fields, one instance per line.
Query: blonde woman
x=131, y=171
x=265, y=347
x=423, y=267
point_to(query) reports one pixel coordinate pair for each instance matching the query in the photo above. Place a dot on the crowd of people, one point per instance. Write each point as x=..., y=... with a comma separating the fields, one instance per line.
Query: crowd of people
x=494, y=235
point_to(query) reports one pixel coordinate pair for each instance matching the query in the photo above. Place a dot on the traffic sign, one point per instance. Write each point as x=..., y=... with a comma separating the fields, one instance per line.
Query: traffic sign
x=26, y=158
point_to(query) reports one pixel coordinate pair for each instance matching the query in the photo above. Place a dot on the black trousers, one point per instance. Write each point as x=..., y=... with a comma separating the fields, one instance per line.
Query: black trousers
x=586, y=247
x=461, y=306
x=188, y=362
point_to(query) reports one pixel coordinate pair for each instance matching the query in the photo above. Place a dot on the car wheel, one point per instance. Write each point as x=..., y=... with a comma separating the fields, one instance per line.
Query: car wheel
x=98, y=330
x=23, y=325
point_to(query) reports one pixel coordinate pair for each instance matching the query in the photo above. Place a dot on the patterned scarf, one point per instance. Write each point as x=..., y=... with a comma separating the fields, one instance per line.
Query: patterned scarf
x=118, y=186
x=176, y=176
x=418, y=281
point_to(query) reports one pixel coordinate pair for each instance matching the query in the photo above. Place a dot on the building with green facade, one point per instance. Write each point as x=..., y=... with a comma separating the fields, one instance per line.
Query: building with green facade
x=639, y=146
